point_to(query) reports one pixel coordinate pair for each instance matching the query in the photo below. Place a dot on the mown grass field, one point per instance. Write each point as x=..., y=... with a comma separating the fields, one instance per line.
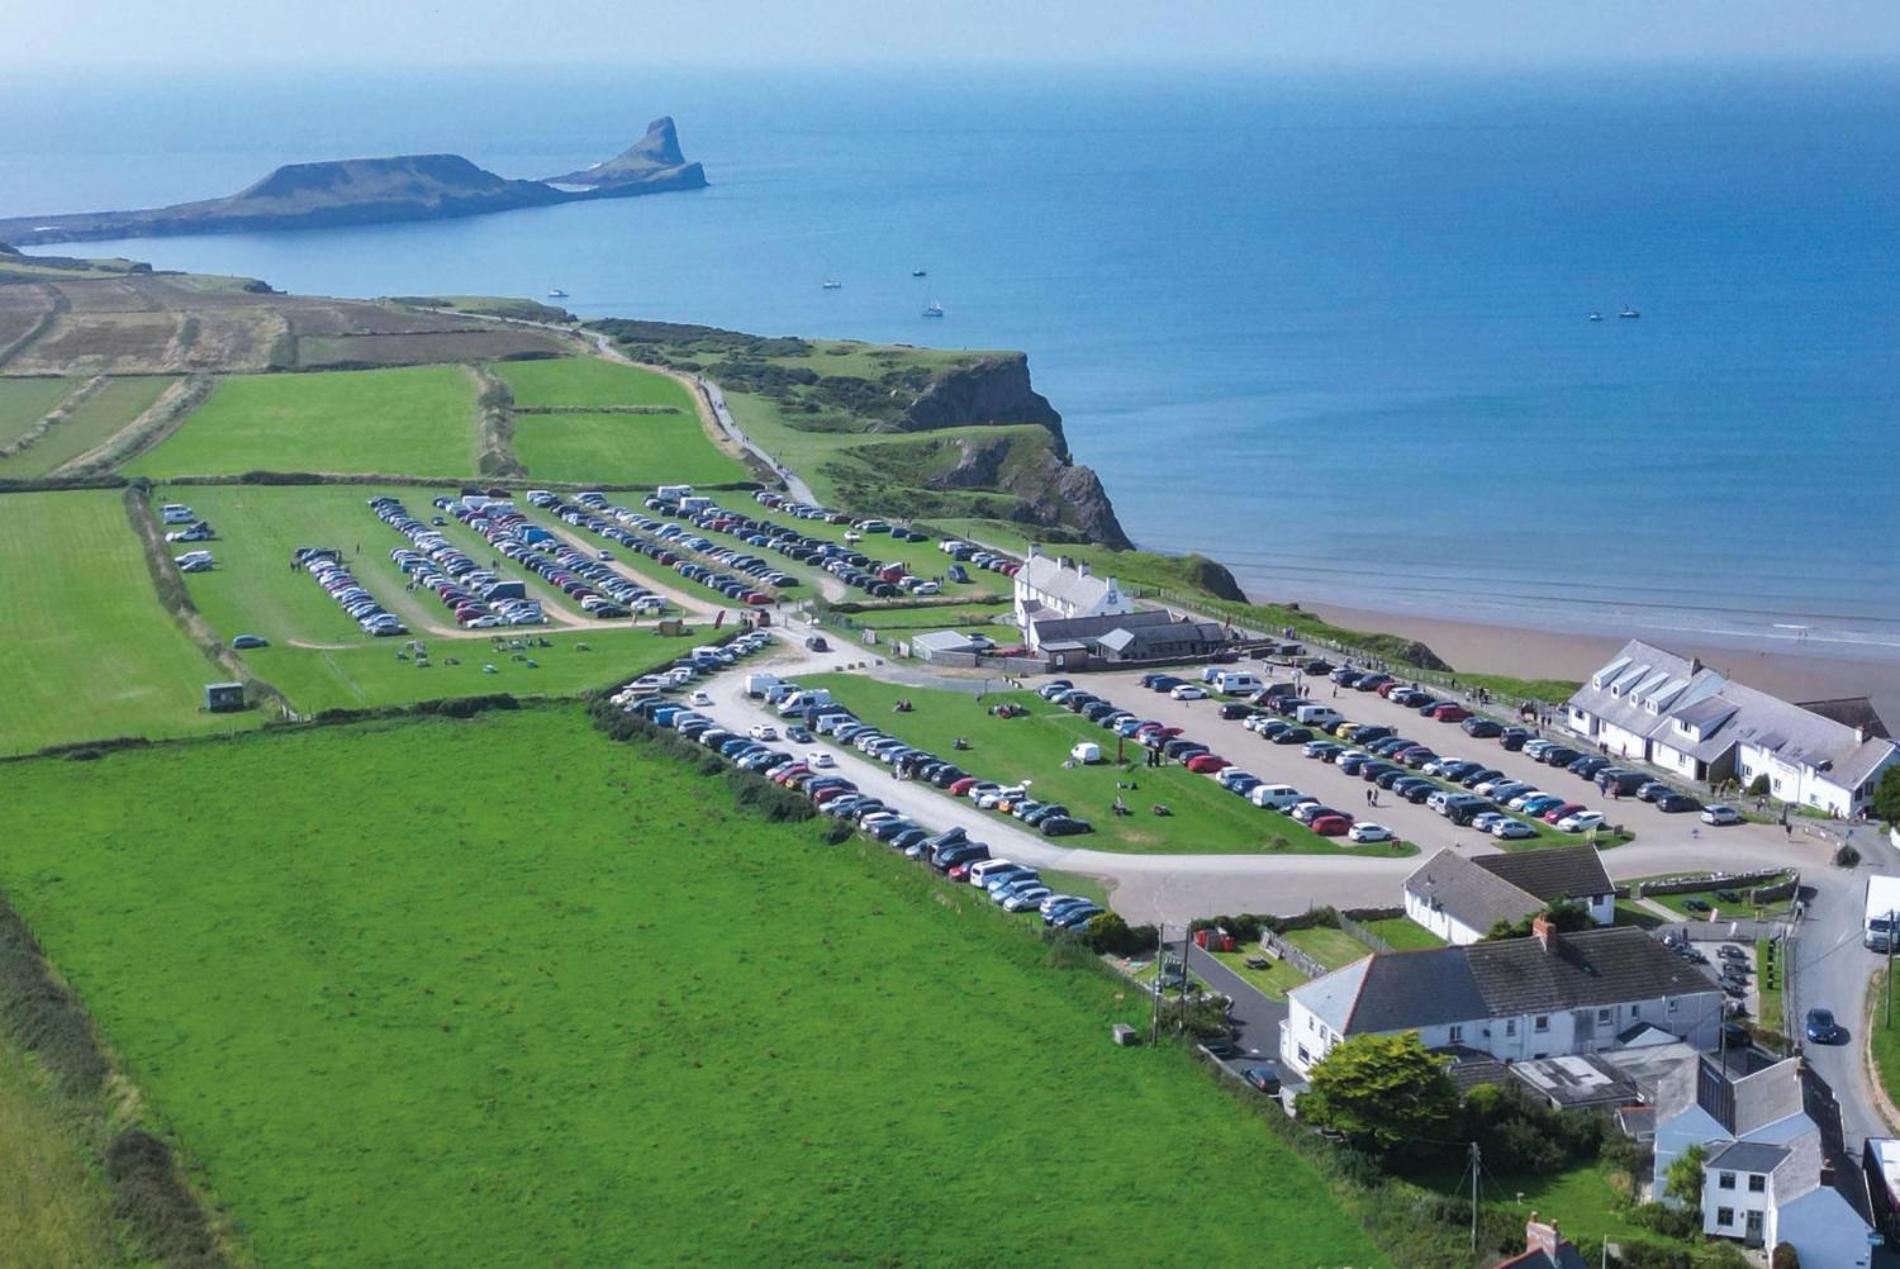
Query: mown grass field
x=94, y=420
x=418, y=421
x=1206, y=818
x=322, y=659
x=612, y=448
x=90, y=654
x=1403, y=934
x=24, y=402
x=502, y=992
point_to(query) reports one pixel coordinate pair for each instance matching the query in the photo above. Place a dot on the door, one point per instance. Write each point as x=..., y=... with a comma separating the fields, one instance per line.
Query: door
x=1752, y=1234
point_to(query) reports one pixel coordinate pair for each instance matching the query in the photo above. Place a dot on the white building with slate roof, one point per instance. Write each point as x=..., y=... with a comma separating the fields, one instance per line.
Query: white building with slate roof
x=1048, y=587
x=1680, y=715
x=1545, y=996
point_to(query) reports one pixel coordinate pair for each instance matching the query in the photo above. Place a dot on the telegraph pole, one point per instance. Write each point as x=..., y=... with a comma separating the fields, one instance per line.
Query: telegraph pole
x=1890, y=935
x=1154, y=994
x=1475, y=1161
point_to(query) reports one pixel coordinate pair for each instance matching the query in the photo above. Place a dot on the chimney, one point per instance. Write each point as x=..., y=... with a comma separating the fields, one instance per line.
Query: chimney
x=1541, y=931
x=1063, y=561
x=1082, y=568
x=1695, y=665
x=1546, y=1238
x=1035, y=549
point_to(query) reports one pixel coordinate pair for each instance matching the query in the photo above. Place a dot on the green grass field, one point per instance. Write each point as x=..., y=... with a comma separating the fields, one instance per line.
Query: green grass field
x=419, y=421
x=94, y=420
x=1679, y=903
x=1275, y=981
x=1206, y=818
x=24, y=402
x=1331, y=948
x=611, y=448
x=649, y=449
x=254, y=591
x=501, y=992
x=90, y=653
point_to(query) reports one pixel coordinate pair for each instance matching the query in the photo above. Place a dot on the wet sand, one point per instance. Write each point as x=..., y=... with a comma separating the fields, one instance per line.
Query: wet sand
x=1792, y=675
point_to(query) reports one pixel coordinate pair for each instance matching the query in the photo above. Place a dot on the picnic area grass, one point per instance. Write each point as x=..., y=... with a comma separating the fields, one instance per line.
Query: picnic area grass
x=1679, y=903
x=417, y=421
x=92, y=421
x=90, y=653
x=24, y=402
x=1205, y=817
x=1331, y=948
x=321, y=659
x=1276, y=980
x=1403, y=934
x=503, y=992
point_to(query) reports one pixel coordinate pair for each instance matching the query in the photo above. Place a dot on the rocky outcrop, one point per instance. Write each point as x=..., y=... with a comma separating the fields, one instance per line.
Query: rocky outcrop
x=653, y=162
x=1416, y=653
x=991, y=391
x=1050, y=491
x=373, y=191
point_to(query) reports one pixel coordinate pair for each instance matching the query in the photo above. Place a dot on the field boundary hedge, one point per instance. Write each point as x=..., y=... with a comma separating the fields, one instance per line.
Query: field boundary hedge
x=495, y=449
x=158, y=421
x=176, y=600
x=60, y=412
x=43, y=1016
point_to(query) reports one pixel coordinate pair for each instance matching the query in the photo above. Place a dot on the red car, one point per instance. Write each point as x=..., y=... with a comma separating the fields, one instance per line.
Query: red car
x=1568, y=809
x=825, y=795
x=1207, y=763
x=961, y=788
x=1451, y=713
x=1332, y=825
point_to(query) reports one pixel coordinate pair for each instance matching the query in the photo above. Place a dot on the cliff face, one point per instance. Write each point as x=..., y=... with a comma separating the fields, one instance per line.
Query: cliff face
x=371, y=191
x=1051, y=491
x=994, y=390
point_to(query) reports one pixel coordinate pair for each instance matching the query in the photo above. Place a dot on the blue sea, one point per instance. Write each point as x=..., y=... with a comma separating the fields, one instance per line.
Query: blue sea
x=1328, y=328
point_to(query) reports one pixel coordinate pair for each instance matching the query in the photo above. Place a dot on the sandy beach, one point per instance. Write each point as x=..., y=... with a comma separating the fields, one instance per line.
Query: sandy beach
x=1797, y=676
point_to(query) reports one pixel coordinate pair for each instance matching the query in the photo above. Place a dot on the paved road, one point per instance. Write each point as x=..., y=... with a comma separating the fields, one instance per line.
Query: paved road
x=1257, y=1017
x=717, y=400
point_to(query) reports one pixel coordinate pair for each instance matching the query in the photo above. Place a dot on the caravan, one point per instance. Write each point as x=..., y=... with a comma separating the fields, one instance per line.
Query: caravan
x=1236, y=682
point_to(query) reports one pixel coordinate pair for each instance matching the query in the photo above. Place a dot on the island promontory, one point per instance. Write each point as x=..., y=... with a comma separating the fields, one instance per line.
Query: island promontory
x=374, y=191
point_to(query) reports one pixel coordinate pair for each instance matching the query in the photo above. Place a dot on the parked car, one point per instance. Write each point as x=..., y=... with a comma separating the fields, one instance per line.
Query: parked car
x=1367, y=831
x=1510, y=830
x=1580, y=821
x=1187, y=692
x=1264, y=1078
x=1482, y=728
x=1677, y=803
x=1717, y=814
x=1331, y=825
x=250, y=641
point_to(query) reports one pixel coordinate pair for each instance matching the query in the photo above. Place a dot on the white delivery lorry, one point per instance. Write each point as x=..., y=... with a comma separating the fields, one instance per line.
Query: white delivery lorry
x=758, y=684
x=1881, y=914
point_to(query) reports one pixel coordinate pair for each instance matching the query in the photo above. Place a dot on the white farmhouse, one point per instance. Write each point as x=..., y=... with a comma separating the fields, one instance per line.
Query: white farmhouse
x=1679, y=715
x=1460, y=898
x=1051, y=587
x=1544, y=996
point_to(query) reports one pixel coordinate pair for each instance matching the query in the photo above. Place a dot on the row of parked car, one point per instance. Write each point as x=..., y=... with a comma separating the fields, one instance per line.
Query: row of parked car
x=594, y=513
x=598, y=590
x=1013, y=886
x=878, y=579
x=325, y=565
x=479, y=598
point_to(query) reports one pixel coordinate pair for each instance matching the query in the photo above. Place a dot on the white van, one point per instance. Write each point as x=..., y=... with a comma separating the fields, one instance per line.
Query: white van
x=1236, y=682
x=798, y=702
x=757, y=684
x=1086, y=751
x=1318, y=716
x=1277, y=797
x=176, y=513
x=981, y=870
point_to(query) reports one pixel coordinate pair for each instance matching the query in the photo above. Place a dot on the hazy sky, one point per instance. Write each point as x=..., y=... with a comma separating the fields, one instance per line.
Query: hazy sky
x=335, y=33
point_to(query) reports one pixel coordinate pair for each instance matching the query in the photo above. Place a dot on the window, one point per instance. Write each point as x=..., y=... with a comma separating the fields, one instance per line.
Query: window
x=1725, y=1180
x=1670, y=1005
x=1543, y=1022
x=1305, y=1057
x=1606, y=1015
x=1312, y=1023
x=1457, y=1034
x=1757, y=1183
x=1510, y=1026
x=1724, y=1216
x=1636, y=1011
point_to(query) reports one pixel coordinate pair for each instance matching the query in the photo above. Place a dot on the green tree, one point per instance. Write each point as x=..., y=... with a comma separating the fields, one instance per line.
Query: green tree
x=1566, y=916
x=1887, y=796
x=1683, y=1181
x=1386, y=1092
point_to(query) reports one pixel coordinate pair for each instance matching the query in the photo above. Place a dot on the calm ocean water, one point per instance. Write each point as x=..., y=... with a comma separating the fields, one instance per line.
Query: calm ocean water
x=1329, y=329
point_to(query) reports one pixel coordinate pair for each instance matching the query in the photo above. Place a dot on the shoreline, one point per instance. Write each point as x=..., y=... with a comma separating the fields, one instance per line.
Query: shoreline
x=1533, y=653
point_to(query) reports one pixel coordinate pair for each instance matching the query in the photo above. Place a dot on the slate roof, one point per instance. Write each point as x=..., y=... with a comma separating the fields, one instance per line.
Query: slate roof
x=1590, y=968
x=943, y=641
x=1746, y=1156
x=1551, y=874
x=1055, y=627
x=1748, y=1103
x=1047, y=575
x=1820, y=736
x=1473, y=896
x=1400, y=991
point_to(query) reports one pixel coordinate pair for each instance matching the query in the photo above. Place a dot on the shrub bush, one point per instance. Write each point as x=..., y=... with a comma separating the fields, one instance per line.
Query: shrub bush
x=836, y=833
x=1637, y=1255
x=154, y=1200
x=1671, y=1222
x=1848, y=856
x=1758, y=787
x=1785, y=1257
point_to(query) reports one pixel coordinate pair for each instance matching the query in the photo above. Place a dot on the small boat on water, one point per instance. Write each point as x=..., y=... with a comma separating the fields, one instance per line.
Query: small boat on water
x=920, y=273
x=556, y=293
x=831, y=284
x=1629, y=312
x=1596, y=317
x=933, y=309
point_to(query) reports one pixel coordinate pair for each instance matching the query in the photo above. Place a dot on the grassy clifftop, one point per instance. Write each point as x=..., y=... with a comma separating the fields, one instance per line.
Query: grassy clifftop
x=894, y=429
